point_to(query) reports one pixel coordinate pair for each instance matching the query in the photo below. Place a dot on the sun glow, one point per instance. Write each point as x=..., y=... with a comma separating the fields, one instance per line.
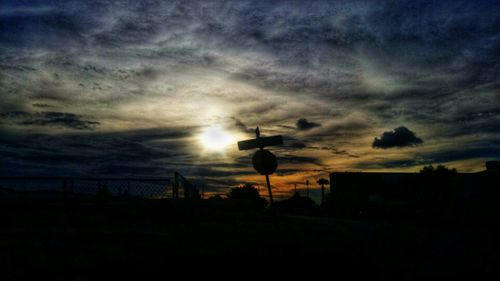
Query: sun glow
x=214, y=138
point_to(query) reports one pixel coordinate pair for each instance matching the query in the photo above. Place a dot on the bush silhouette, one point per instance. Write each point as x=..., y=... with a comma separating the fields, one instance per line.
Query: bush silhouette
x=296, y=203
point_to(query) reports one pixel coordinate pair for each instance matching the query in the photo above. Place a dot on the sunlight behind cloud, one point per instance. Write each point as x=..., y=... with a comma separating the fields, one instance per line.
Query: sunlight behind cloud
x=214, y=138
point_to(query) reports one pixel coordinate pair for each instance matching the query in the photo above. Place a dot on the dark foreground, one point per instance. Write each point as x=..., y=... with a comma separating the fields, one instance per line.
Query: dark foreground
x=84, y=241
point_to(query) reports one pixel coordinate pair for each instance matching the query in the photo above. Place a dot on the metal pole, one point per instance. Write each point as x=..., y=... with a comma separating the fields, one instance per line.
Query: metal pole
x=257, y=133
x=65, y=192
x=322, y=194
x=270, y=193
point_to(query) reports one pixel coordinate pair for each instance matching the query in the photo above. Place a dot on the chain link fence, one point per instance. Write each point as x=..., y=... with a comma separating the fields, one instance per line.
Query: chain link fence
x=75, y=187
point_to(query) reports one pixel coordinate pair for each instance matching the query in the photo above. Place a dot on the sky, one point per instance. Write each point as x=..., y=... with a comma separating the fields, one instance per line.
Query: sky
x=128, y=88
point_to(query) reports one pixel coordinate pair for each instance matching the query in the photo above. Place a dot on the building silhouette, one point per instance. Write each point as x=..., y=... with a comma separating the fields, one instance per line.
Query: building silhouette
x=439, y=198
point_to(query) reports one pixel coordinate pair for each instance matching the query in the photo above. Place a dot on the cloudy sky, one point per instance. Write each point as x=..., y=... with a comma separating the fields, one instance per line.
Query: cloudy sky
x=122, y=88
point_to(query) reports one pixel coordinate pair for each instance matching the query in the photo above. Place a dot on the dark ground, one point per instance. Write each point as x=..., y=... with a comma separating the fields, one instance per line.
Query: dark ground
x=79, y=241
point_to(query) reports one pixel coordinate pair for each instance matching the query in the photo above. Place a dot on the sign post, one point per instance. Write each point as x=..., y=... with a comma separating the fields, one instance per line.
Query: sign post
x=264, y=162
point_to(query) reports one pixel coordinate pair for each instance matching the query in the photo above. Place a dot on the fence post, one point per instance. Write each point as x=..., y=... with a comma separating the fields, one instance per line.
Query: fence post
x=65, y=194
x=65, y=191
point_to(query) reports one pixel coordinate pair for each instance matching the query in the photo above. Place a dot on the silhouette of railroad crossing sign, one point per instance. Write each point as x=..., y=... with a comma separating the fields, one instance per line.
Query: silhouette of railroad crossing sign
x=264, y=162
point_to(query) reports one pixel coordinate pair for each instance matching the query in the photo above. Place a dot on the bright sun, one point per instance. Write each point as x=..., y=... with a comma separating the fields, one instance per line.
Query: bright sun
x=215, y=138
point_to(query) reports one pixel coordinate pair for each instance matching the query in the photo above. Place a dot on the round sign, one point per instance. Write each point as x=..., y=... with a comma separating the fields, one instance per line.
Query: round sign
x=264, y=162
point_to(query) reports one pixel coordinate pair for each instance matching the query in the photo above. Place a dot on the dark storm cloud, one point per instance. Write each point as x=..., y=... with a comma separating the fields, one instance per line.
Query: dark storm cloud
x=388, y=164
x=44, y=25
x=316, y=82
x=478, y=127
x=491, y=151
x=220, y=185
x=399, y=137
x=241, y=126
x=302, y=124
x=15, y=115
x=286, y=172
x=473, y=116
x=394, y=34
x=473, y=119
x=128, y=153
x=155, y=134
x=297, y=145
x=340, y=127
x=207, y=171
x=290, y=142
x=49, y=118
x=321, y=39
x=282, y=159
x=290, y=159
x=336, y=151
x=62, y=119
x=41, y=105
x=417, y=62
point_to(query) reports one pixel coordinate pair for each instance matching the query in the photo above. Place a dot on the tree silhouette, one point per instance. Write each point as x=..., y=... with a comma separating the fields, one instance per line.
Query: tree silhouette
x=215, y=197
x=248, y=194
x=439, y=172
x=323, y=182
